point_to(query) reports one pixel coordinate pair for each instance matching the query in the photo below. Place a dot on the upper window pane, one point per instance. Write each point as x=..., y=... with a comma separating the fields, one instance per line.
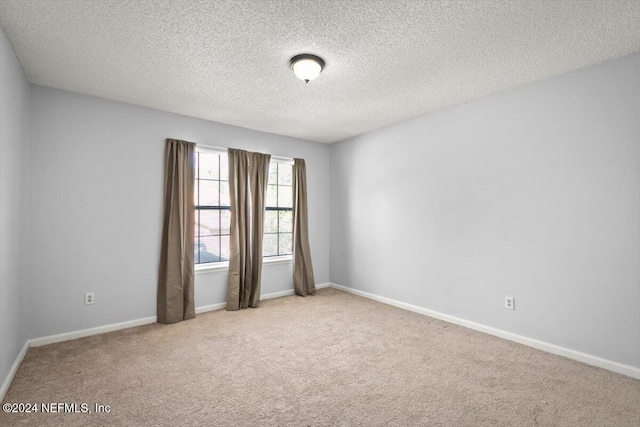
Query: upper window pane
x=224, y=167
x=224, y=194
x=273, y=173
x=272, y=196
x=209, y=193
x=285, y=197
x=209, y=167
x=284, y=173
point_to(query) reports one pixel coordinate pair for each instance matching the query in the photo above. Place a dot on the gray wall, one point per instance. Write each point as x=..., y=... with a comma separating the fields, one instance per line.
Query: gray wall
x=533, y=193
x=14, y=178
x=97, y=208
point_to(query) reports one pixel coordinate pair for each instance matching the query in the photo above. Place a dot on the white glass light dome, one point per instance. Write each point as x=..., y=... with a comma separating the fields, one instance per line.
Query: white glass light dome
x=306, y=66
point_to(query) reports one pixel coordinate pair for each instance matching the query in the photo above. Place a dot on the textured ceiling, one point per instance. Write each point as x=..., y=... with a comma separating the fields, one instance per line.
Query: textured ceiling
x=386, y=61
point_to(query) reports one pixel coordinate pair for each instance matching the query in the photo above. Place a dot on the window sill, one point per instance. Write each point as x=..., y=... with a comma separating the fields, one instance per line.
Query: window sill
x=220, y=266
x=209, y=268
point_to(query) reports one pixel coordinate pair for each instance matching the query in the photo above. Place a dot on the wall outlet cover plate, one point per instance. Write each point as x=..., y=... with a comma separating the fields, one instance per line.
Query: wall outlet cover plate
x=510, y=303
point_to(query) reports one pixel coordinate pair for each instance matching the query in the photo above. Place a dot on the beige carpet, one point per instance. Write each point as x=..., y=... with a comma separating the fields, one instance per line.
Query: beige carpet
x=332, y=359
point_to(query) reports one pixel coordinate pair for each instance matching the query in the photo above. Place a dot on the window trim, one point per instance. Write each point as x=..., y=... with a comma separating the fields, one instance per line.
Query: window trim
x=211, y=267
x=224, y=265
x=223, y=150
x=199, y=208
x=278, y=209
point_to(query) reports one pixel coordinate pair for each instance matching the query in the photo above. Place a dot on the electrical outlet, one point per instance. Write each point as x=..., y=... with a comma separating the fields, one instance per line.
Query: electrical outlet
x=89, y=298
x=510, y=303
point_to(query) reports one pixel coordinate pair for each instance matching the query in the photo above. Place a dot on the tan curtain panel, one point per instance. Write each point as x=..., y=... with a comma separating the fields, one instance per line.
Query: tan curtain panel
x=303, y=280
x=248, y=173
x=175, y=284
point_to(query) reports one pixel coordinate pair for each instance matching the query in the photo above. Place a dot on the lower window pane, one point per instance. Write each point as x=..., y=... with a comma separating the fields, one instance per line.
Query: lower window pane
x=209, y=222
x=286, y=222
x=196, y=228
x=271, y=221
x=209, y=249
x=225, y=220
x=224, y=244
x=270, y=245
x=285, y=244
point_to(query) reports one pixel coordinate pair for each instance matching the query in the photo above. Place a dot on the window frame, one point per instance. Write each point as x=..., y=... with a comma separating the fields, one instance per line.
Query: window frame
x=224, y=265
x=279, y=209
x=198, y=208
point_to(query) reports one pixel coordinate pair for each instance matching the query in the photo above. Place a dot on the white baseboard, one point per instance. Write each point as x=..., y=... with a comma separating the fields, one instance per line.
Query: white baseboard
x=272, y=295
x=589, y=359
x=291, y=292
x=51, y=339
x=277, y=294
x=13, y=370
x=212, y=307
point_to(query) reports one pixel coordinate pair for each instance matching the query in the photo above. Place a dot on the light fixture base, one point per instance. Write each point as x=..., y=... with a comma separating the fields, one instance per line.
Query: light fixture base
x=307, y=56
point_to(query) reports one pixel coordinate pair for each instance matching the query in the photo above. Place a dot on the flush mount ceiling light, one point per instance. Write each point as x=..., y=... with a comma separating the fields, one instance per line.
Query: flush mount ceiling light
x=306, y=66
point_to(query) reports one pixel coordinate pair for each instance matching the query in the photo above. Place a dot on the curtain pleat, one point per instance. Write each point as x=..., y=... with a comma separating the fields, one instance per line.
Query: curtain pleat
x=248, y=173
x=303, y=280
x=175, y=300
x=239, y=253
x=259, y=174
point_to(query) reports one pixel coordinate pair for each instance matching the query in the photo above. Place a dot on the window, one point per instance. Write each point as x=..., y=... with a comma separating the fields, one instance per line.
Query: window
x=213, y=213
x=278, y=223
x=213, y=210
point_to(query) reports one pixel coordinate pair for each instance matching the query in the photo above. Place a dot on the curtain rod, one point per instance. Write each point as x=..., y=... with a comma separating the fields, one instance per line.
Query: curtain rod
x=224, y=150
